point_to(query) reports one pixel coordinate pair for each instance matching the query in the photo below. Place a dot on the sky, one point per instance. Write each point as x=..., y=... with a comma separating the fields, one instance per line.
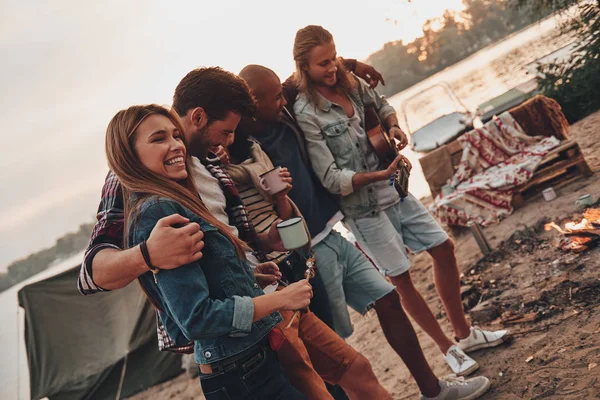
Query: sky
x=68, y=66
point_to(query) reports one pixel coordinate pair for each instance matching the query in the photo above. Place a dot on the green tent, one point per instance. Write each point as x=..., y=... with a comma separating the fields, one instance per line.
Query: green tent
x=91, y=347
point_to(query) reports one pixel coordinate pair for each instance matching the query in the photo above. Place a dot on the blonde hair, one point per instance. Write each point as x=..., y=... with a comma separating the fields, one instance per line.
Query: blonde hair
x=307, y=39
x=136, y=178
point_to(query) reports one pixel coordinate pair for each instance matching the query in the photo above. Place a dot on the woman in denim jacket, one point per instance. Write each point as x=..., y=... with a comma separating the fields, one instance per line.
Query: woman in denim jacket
x=216, y=301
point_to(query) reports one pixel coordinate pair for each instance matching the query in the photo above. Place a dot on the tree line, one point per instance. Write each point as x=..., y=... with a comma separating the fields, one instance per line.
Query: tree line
x=66, y=246
x=573, y=83
x=449, y=39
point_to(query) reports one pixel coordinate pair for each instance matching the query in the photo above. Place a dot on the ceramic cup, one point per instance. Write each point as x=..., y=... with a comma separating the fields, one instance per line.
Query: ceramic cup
x=584, y=201
x=549, y=194
x=293, y=234
x=271, y=182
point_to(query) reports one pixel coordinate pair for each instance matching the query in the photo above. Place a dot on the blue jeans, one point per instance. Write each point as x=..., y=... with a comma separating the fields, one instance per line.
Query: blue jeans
x=253, y=375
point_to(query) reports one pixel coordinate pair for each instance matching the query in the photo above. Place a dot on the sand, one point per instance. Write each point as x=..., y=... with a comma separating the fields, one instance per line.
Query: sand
x=565, y=345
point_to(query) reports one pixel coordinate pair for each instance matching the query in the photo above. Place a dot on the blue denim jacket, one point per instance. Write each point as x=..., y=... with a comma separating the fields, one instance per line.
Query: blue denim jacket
x=334, y=150
x=208, y=301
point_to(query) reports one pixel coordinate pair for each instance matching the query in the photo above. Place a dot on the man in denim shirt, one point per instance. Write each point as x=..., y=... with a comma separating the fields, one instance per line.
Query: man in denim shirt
x=330, y=109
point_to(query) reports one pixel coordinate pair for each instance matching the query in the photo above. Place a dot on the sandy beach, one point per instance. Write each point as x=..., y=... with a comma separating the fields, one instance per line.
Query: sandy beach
x=530, y=276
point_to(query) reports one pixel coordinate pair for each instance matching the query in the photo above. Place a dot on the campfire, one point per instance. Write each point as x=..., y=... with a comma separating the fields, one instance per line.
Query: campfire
x=579, y=236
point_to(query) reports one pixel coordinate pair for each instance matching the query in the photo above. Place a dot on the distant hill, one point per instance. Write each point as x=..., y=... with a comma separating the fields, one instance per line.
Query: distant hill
x=66, y=246
x=447, y=40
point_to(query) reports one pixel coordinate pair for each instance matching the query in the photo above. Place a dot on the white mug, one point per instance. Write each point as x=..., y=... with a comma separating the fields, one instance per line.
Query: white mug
x=271, y=182
x=549, y=194
x=293, y=233
x=584, y=201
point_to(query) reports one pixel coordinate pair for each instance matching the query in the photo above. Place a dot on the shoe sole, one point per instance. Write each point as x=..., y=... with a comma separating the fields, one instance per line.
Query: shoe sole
x=469, y=371
x=486, y=345
x=478, y=393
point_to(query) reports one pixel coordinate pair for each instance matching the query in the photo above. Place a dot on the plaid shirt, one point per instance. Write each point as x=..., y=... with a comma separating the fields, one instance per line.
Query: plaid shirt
x=108, y=231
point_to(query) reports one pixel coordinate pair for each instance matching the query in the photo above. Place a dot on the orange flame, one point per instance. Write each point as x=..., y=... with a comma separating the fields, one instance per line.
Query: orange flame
x=572, y=226
x=552, y=225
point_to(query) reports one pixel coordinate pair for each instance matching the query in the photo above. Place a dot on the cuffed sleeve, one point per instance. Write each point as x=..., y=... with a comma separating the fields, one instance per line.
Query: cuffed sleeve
x=107, y=233
x=243, y=314
x=185, y=290
x=346, y=186
x=85, y=281
x=334, y=179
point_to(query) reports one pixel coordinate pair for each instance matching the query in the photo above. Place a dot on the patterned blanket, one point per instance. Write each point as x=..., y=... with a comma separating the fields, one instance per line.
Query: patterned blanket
x=496, y=159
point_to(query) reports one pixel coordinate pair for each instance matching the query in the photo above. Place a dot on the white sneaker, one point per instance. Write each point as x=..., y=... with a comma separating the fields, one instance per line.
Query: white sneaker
x=460, y=363
x=480, y=339
x=455, y=388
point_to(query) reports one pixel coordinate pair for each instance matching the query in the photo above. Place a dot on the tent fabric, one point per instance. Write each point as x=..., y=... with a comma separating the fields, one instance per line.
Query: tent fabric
x=76, y=345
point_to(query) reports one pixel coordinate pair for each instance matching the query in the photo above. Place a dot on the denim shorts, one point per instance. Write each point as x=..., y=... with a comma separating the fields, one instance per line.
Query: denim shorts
x=386, y=236
x=350, y=280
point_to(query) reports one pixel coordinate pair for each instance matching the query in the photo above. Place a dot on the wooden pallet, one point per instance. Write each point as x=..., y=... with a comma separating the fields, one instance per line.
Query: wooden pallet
x=559, y=167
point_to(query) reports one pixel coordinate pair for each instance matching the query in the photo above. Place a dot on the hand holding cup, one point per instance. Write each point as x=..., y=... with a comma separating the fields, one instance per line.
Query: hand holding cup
x=273, y=182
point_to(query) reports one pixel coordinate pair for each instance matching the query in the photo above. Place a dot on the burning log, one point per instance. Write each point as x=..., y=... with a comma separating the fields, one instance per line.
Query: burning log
x=579, y=236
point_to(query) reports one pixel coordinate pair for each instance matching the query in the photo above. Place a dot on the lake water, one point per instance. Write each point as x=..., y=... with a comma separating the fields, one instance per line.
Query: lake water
x=484, y=75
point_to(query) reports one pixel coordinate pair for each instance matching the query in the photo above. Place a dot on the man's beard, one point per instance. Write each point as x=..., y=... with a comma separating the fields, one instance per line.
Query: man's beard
x=198, y=145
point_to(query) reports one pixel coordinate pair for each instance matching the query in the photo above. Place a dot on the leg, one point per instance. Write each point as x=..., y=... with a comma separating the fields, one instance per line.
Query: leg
x=360, y=381
x=336, y=391
x=417, y=308
x=319, y=304
x=380, y=237
x=420, y=232
x=403, y=339
x=447, y=283
x=366, y=288
x=295, y=361
x=413, y=302
x=332, y=272
x=337, y=362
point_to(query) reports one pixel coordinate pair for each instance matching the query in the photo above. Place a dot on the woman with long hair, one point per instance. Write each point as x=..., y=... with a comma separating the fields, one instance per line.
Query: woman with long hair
x=216, y=301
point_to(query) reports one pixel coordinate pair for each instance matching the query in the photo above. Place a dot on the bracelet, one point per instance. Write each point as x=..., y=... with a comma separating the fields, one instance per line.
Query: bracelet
x=395, y=126
x=146, y=255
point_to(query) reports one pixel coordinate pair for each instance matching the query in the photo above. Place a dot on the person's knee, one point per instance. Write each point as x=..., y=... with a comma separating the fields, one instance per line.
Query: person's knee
x=389, y=302
x=360, y=367
x=448, y=245
x=444, y=249
x=404, y=284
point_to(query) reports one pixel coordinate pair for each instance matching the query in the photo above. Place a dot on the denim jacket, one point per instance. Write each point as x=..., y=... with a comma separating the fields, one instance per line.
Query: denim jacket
x=208, y=301
x=334, y=151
